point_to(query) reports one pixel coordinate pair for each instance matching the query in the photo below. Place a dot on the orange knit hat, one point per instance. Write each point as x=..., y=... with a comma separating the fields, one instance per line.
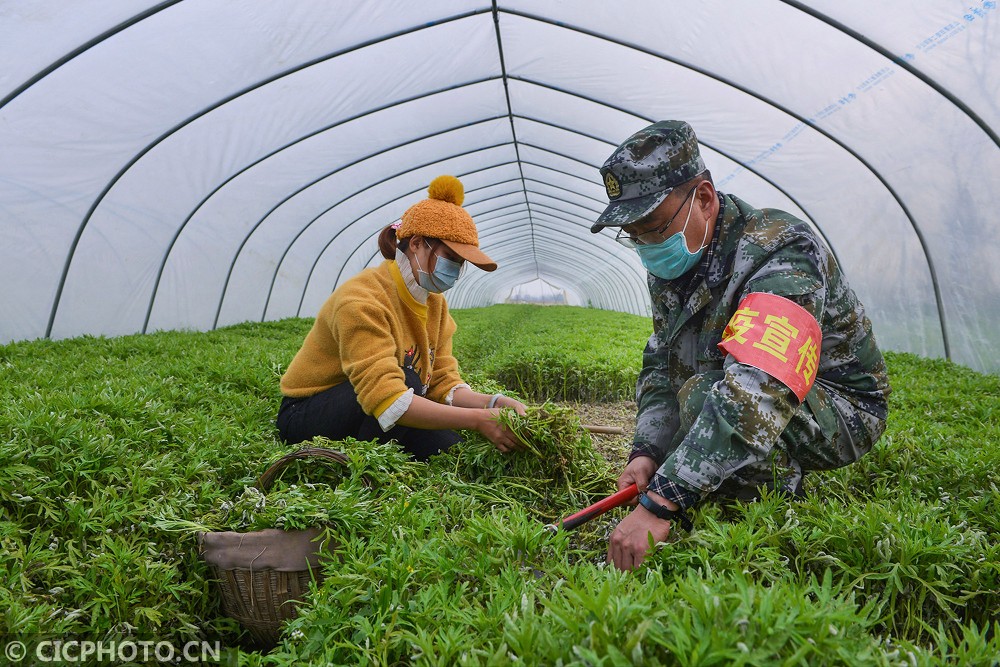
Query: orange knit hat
x=442, y=217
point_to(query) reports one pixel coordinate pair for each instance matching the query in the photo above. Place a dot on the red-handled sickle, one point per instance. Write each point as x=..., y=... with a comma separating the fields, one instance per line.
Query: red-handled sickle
x=623, y=497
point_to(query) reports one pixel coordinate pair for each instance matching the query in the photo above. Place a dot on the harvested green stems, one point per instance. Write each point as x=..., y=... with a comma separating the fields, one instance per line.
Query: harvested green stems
x=292, y=507
x=557, y=464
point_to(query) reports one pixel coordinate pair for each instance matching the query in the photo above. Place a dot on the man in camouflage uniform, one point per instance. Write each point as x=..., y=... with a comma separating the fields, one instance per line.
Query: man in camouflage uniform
x=762, y=363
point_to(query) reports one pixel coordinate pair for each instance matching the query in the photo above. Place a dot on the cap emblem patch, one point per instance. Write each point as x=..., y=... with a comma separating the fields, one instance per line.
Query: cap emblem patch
x=612, y=185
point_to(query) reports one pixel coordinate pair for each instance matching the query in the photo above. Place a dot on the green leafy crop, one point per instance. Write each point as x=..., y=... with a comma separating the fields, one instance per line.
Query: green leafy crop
x=114, y=449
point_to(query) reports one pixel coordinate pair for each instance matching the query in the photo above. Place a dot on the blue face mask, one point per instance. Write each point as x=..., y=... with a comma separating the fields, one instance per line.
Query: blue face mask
x=444, y=276
x=671, y=258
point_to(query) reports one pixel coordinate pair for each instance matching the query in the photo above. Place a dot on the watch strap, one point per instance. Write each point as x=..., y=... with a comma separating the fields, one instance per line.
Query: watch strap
x=663, y=512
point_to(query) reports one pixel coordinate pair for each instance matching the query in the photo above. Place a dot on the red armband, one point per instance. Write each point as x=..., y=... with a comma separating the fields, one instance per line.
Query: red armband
x=778, y=336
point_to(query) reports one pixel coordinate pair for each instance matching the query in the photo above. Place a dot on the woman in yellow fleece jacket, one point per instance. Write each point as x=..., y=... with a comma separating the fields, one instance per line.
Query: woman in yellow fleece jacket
x=377, y=363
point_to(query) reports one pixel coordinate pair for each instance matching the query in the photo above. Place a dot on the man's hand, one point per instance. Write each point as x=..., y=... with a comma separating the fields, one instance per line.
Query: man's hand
x=639, y=471
x=630, y=540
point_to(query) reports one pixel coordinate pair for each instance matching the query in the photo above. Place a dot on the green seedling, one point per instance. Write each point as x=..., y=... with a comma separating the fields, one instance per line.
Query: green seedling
x=891, y=561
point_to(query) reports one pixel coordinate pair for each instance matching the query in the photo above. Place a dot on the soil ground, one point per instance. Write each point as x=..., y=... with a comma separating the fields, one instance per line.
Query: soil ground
x=614, y=448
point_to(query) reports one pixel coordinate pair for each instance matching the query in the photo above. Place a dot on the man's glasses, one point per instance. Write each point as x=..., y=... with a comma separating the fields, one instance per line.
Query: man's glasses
x=651, y=237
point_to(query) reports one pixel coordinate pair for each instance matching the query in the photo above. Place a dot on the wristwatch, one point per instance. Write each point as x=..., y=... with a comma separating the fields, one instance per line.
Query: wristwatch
x=661, y=511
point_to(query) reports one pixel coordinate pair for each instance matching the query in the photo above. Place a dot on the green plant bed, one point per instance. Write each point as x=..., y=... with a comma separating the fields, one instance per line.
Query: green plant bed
x=554, y=353
x=891, y=561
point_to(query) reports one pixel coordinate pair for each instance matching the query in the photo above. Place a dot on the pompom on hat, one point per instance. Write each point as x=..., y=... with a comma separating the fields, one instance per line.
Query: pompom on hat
x=441, y=216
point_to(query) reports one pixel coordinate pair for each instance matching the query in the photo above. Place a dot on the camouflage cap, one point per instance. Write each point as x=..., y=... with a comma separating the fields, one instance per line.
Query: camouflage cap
x=645, y=168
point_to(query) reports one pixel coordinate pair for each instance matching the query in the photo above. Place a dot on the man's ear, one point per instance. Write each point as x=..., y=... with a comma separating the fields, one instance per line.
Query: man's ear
x=705, y=194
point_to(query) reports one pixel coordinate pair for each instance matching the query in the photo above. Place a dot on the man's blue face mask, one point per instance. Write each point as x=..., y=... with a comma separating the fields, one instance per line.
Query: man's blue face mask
x=671, y=259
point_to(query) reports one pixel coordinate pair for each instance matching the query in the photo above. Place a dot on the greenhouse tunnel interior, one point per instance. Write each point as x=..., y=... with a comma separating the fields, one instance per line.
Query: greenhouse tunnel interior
x=191, y=164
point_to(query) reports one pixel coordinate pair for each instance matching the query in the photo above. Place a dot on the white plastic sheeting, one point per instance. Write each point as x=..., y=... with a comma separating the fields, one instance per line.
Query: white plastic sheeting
x=196, y=163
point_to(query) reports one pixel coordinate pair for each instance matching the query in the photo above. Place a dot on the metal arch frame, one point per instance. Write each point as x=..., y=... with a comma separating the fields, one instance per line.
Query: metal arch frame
x=510, y=113
x=256, y=225
x=557, y=170
x=621, y=298
x=609, y=293
x=343, y=229
x=553, y=185
x=86, y=46
x=492, y=185
x=351, y=253
x=728, y=156
x=281, y=260
x=366, y=213
x=558, y=232
x=896, y=60
x=476, y=278
x=547, y=195
x=556, y=217
x=516, y=204
x=180, y=229
x=498, y=208
x=217, y=104
x=469, y=124
x=473, y=297
x=635, y=297
x=495, y=11
x=594, y=297
x=481, y=220
x=253, y=228
x=576, y=216
x=559, y=187
x=476, y=299
x=301, y=231
x=477, y=290
x=767, y=101
x=589, y=240
x=555, y=208
x=482, y=291
x=559, y=199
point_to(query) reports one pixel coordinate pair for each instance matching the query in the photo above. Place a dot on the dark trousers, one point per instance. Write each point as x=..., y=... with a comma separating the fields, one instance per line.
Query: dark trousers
x=336, y=414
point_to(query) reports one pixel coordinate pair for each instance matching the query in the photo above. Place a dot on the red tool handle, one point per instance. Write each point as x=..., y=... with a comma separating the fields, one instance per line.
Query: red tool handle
x=623, y=497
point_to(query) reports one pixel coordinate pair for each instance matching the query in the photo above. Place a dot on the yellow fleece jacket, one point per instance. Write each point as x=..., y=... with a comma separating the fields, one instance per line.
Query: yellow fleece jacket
x=366, y=332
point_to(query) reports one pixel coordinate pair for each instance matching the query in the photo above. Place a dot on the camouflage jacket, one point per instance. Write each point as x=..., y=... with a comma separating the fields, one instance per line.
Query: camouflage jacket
x=752, y=251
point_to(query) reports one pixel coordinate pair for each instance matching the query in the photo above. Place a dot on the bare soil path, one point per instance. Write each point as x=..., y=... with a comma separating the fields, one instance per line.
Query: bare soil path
x=614, y=448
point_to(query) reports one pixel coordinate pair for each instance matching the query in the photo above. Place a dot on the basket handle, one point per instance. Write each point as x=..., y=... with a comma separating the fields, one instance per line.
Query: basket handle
x=274, y=470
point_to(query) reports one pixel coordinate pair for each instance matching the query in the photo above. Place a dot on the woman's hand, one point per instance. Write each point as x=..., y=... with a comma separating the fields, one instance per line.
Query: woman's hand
x=498, y=434
x=486, y=416
x=508, y=402
x=466, y=398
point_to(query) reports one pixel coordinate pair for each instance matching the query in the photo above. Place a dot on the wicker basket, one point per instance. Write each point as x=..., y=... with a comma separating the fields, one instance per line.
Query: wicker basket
x=262, y=575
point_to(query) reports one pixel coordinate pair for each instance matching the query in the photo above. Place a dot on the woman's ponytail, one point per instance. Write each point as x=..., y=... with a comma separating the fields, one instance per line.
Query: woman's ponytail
x=387, y=242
